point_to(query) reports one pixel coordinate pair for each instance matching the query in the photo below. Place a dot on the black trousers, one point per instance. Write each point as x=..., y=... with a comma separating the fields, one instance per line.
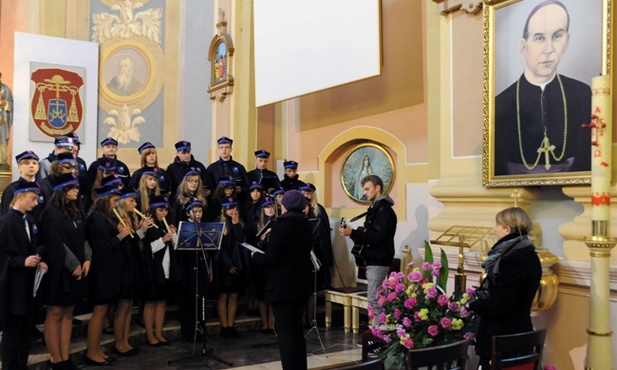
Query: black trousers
x=16, y=341
x=288, y=325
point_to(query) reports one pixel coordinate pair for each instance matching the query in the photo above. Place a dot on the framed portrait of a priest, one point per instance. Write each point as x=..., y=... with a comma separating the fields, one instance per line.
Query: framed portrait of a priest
x=539, y=59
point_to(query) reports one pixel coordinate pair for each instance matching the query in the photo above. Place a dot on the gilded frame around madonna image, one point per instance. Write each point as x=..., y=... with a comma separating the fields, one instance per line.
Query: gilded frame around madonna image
x=362, y=160
x=539, y=59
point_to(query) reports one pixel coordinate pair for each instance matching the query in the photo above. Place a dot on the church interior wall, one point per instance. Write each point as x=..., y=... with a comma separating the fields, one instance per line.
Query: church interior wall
x=425, y=109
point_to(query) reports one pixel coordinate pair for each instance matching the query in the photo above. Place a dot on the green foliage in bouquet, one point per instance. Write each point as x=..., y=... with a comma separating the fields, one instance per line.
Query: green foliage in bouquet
x=420, y=314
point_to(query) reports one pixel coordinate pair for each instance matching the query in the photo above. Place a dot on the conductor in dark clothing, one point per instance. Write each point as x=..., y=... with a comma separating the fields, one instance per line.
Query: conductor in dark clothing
x=289, y=279
x=18, y=263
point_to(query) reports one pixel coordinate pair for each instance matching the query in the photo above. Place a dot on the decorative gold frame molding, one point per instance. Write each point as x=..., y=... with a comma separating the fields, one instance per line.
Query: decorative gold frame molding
x=220, y=89
x=488, y=145
x=381, y=150
x=450, y=6
x=154, y=59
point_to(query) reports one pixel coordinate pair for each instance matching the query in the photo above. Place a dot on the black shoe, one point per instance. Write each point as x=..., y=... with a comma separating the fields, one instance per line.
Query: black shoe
x=225, y=333
x=89, y=361
x=56, y=365
x=69, y=365
x=233, y=333
x=157, y=344
x=130, y=352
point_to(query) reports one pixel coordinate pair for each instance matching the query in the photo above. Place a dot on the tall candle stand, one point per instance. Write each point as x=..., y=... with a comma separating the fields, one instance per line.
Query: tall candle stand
x=599, y=348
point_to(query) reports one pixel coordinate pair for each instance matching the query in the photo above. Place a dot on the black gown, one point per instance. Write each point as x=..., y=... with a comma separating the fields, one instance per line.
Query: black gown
x=17, y=306
x=58, y=231
x=157, y=286
x=111, y=273
x=539, y=110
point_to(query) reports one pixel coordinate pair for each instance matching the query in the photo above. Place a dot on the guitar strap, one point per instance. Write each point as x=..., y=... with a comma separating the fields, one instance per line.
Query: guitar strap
x=358, y=217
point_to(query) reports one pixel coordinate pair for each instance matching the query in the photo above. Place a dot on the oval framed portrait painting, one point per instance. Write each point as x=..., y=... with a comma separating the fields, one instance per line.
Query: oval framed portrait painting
x=361, y=161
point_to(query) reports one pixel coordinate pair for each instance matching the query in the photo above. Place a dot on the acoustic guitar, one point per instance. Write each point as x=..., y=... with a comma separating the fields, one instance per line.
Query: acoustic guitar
x=357, y=251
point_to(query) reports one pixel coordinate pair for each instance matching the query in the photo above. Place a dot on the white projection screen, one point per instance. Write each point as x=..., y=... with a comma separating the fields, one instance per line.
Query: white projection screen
x=303, y=46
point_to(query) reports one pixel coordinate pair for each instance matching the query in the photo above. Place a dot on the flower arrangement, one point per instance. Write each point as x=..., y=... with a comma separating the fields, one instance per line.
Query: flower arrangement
x=419, y=314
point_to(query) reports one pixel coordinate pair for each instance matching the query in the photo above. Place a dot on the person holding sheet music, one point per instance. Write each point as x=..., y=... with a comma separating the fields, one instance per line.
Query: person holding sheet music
x=162, y=270
x=232, y=263
x=377, y=236
x=259, y=273
x=261, y=174
x=289, y=277
x=249, y=212
x=19, y=260
x=69, y=258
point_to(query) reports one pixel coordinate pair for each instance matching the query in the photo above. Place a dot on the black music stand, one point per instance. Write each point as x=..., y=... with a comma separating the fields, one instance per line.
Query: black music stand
x=200, y=237
x=316, y=267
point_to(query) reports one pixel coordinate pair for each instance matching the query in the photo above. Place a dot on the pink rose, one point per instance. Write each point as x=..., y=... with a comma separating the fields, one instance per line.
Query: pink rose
x=406, y=322
x=399, y=288
x=442, y=300
x=392, y=296
x=382, y=318
x=408, y=343
x=397, y=313
x=415, y=276
x=431, y=292
x=426, y=266
x=469, y=335
x=445, y=322
x=433, y=330
x=410, y=303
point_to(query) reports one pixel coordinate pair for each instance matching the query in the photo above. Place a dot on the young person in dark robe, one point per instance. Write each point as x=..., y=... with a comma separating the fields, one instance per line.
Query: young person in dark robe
x=135, y=258
x=150, y=163
x=232, y=262
x=185, y=162
x=162, y=270
x=105, y=234
x=290, y=280
x=69, y=257
x=19, y=260
x=291, y=180
x=259, y=273
x=322, y=246
x=28, y=166
x=197, y=269
x=109, y=147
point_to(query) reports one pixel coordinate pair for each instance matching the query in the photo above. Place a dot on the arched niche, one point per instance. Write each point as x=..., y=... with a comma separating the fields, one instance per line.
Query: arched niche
x=331, y=161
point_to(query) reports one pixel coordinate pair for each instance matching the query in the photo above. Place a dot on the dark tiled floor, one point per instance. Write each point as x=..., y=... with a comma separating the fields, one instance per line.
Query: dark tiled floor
x=252, y=347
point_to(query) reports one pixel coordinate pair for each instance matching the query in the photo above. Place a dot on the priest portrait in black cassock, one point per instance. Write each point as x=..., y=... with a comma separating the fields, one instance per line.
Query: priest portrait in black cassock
x=538, y=118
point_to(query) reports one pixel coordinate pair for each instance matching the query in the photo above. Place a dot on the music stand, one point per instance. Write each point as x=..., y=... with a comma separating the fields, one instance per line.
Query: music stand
x=200, y=237
x=316, y=266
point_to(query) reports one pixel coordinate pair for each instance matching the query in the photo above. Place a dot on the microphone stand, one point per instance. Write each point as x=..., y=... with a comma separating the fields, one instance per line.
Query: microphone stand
x=200, y=324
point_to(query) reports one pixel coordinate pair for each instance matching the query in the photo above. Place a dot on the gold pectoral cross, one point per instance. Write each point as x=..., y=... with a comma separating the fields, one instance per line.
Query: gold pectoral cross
x=547, y=148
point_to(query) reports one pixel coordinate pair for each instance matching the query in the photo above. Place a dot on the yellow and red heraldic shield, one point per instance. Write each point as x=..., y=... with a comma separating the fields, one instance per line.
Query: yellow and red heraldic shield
x=56, y=105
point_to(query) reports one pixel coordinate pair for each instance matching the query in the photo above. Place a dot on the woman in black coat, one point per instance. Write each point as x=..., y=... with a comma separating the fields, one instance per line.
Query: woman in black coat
x=289, y=281
x=513, y=275
x=110, y=256
x=69, y=256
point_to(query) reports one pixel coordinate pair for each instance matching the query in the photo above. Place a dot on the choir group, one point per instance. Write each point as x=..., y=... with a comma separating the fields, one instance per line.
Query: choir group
x=99, y=233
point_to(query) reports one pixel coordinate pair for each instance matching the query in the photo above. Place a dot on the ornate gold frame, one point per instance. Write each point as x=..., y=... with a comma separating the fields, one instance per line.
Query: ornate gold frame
x=219, y=88
x=378, y=168
x=489, y=179
x=154, y=59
